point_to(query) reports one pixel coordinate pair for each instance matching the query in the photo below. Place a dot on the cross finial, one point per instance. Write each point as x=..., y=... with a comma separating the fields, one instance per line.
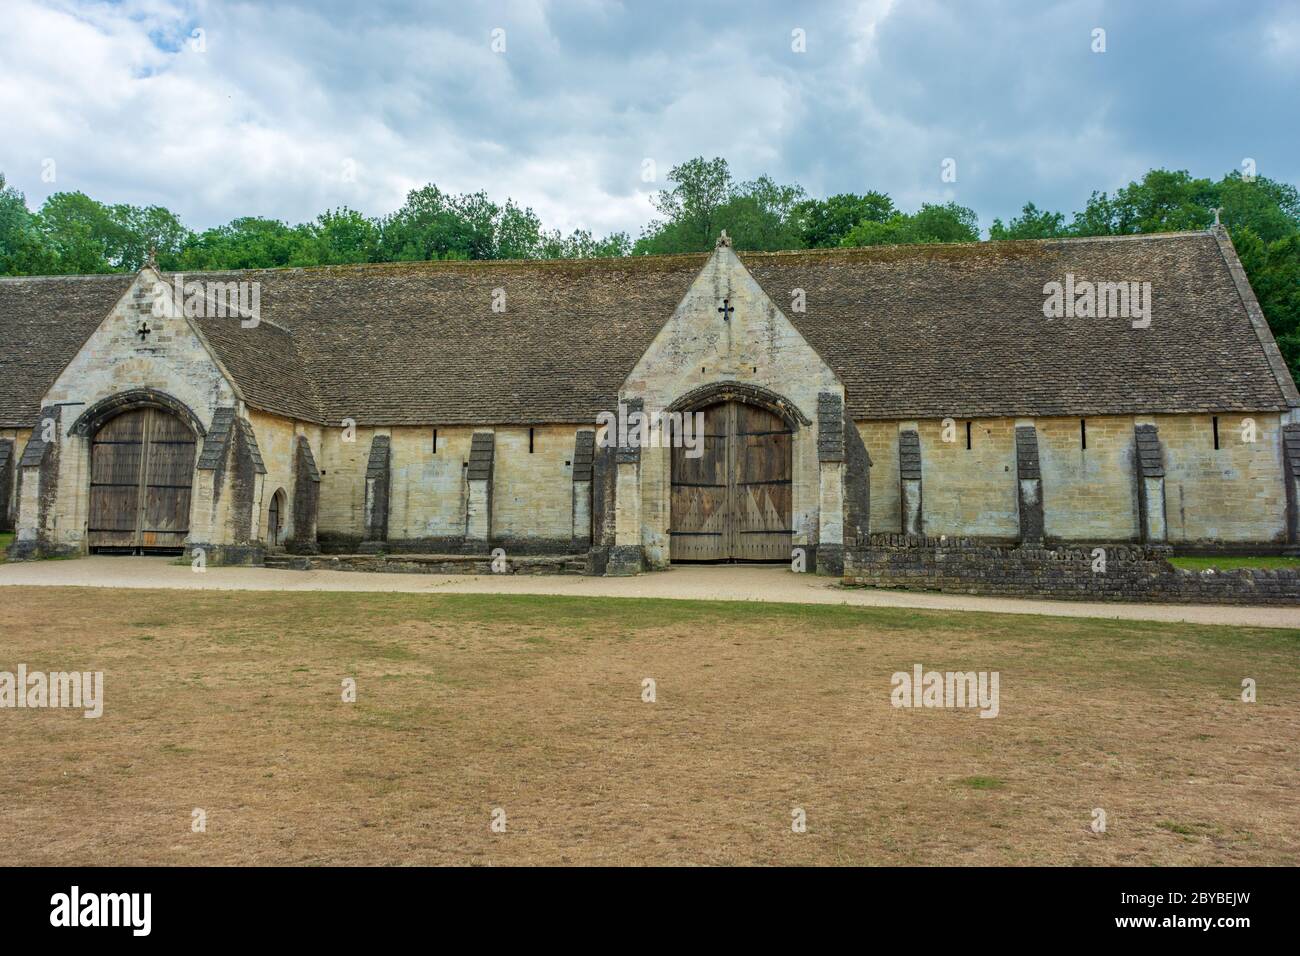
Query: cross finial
x=723, y=240
x=151, y=258
x=1216, y=210
x=726, y=309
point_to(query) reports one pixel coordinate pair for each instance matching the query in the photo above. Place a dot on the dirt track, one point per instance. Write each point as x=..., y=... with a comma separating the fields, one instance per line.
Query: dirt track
x=719, y=583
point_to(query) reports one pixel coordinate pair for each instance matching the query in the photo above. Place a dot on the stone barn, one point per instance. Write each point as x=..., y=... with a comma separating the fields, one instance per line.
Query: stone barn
x=1113, y=390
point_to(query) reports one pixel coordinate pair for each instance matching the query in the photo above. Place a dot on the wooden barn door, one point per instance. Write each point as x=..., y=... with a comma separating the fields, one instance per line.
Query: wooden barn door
x=733, y=503
x=141, y=474
x=761, y=492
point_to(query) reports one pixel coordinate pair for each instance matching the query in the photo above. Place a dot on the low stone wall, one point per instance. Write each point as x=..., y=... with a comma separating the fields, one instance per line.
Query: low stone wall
x=430, y=563
x=1131, y=573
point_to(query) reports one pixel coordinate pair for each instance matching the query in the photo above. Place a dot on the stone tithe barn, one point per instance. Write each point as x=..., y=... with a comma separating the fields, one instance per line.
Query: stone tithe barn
x=451, y=408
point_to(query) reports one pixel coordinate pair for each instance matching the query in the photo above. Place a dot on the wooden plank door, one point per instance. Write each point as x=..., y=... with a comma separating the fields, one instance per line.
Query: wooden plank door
x=699, y=529
x=116, y=454
x=166, y=482
x=141, y=476
x=761, y=492
x=734, y=502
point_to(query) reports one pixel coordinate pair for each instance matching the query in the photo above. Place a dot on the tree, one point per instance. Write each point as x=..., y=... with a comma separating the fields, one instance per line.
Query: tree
x=1031, y=224
x=1162, y=201
x=518, y=233
x=80, y=232
x=140, y=229
x=339, y=237
x=247, y=243
x=1271, y=210
x=931, y=223
x=23, y=249
x=1274, y=272
x=704, y=200
x=435, y=225
x=86, y=236
x=823, y=223
x=580, y=244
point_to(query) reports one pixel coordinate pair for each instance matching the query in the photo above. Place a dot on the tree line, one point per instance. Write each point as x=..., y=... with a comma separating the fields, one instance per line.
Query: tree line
x=71, y=233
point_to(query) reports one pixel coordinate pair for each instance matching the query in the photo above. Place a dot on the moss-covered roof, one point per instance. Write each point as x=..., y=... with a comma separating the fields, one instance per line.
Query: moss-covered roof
x=913, y=331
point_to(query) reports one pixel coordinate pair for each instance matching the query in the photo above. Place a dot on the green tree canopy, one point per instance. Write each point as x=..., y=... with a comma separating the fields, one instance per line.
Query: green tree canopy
x=704, y=200
x=1030, y=224
x=247, y=243
x=931, y=223
x=23, y=248
x=824, y=223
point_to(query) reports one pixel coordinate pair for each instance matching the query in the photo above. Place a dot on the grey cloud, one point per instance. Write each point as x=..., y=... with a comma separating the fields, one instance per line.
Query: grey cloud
x=263, y=122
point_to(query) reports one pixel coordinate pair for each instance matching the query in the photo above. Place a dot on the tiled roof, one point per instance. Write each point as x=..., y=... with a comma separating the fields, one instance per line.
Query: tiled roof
x=43, y=323
x=958, y=330
x=913, y=332
x=217, y=440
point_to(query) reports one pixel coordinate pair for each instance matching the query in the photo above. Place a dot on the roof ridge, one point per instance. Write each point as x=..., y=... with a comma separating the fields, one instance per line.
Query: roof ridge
x=75, y=276
x=600, y=261
x=977, y=244
x=432, y=265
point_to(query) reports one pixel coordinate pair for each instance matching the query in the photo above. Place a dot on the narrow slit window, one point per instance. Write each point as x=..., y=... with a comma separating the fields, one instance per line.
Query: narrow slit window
x=1214, y=424
x=968, y=436
x=435, y=441
x=530, y=441
x=1083, y=433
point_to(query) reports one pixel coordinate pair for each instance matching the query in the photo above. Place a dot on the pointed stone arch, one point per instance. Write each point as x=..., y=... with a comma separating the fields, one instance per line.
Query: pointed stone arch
x=94, y=417
x=745, y=393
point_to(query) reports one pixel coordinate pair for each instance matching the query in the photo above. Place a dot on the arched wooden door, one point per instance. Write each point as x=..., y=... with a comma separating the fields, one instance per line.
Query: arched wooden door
x=734, y=502
x=275, y=518
x=141, y=475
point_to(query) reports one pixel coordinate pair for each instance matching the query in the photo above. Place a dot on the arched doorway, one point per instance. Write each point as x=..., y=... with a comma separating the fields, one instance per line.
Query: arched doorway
x=141, y=477
x=275, y=519
x=734, y=502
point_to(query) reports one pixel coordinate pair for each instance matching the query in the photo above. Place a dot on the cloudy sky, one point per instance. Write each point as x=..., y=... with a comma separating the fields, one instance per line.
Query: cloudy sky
x=219, y=109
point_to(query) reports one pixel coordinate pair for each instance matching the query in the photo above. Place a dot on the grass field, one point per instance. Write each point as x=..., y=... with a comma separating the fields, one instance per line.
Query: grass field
x=5, y=541
x=230, y=702
x=1225, y=563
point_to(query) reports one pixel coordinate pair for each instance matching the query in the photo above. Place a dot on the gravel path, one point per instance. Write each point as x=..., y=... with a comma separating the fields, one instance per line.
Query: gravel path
x=716, y=583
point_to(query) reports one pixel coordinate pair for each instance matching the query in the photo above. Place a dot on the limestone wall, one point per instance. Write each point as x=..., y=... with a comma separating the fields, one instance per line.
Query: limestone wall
x=1088, y=494
x=342, y=466
x=9, y=481
x=18, y=435
x=881, y=439
x=1233, y=493
x=427, y=490
x=969, y=491
x=531, y=493
x=277, y=439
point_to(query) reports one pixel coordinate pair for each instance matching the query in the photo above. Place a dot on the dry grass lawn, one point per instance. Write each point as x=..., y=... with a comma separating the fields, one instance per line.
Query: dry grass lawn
x=231, y=702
